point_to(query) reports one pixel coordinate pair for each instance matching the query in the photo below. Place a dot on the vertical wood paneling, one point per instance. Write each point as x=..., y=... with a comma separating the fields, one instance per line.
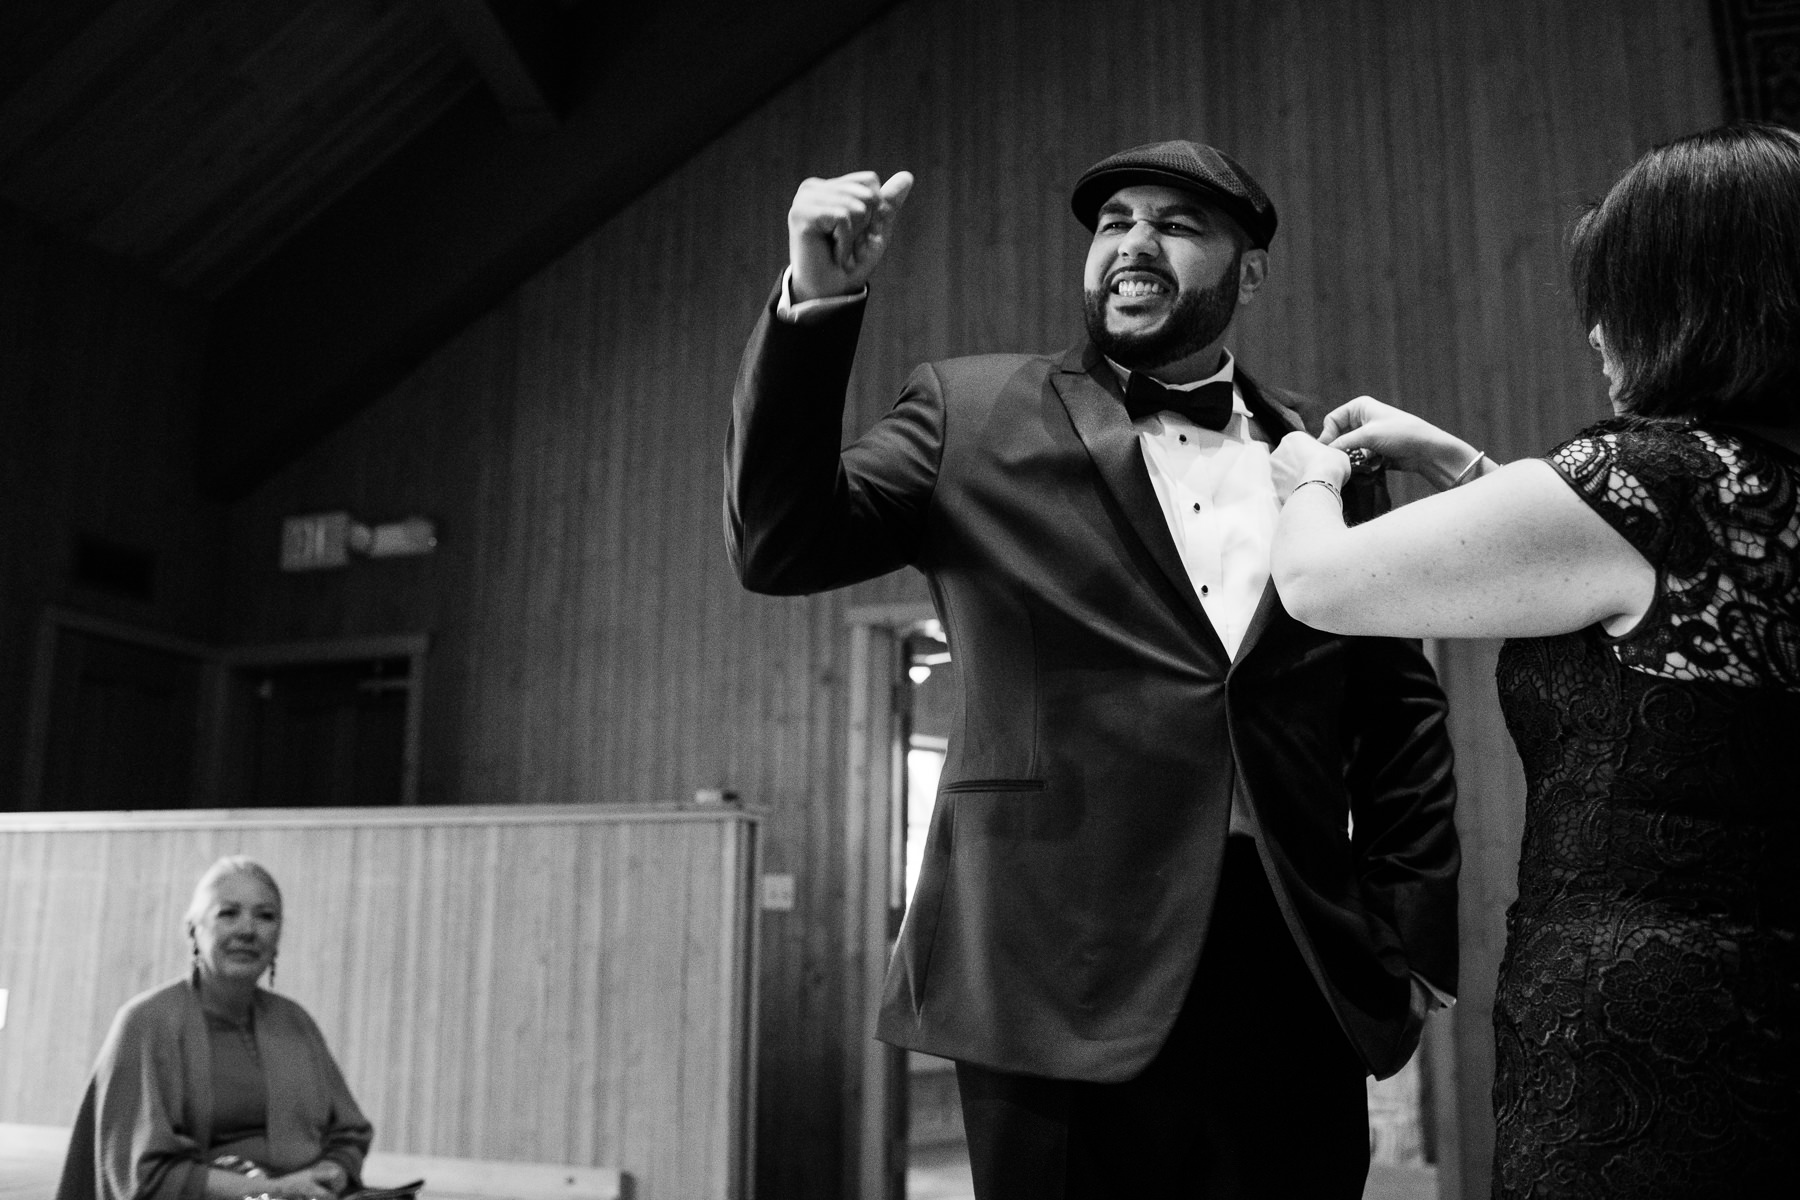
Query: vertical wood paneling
x=518, y=985
x=1426, y=157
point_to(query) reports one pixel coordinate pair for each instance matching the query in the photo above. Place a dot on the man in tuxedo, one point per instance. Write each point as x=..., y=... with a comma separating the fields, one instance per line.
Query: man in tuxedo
x=1191, y=874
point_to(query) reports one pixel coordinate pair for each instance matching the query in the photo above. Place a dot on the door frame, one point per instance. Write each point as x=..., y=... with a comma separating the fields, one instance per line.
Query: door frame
x=216, y=667
x=54, y=623
x=274, y=655
x=880, y=696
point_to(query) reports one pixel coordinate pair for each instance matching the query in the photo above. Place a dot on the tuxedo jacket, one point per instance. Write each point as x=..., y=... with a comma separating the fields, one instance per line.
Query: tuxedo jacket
x=1074, y=852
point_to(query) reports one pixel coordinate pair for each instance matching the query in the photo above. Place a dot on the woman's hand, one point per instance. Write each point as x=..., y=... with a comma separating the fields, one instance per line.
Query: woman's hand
x=1301, y=457
x=323, y=1179
x=331, y=1174
x=1399, y=438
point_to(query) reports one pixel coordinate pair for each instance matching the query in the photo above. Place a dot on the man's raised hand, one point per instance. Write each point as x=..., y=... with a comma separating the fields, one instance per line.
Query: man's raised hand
x=838, y=229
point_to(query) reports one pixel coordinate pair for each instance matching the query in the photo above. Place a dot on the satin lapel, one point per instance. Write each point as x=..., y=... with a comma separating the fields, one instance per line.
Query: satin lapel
x=1277, y=420
x=1098, y=413
x=1266, y=611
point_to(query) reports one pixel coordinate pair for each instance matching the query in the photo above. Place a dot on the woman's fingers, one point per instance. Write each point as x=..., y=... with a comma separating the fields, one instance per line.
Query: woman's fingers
x=1348, y=417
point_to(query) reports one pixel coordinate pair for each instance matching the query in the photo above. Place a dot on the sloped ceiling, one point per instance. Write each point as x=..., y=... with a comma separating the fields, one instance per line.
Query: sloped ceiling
x=350, y=182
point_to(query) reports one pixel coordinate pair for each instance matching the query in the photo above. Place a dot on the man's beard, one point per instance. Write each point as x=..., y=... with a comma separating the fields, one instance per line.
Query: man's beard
x=1196, y=321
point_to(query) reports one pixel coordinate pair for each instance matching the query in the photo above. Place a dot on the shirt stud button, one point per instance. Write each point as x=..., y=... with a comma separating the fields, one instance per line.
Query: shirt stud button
x=1196, y=506
x=1184, y=439
x=1203, y=589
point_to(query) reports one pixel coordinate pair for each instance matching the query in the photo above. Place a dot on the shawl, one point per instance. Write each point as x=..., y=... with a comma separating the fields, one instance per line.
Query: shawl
x=145, y=1123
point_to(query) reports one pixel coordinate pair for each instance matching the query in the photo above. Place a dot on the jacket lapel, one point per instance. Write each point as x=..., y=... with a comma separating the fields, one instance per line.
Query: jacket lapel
x=1090, y=392
x=1276, y=418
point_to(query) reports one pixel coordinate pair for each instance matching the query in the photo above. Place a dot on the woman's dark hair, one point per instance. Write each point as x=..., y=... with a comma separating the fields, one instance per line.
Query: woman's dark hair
x=1691, y=267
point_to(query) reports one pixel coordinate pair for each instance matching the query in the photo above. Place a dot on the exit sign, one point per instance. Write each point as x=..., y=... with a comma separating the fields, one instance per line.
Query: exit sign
x=315, y=541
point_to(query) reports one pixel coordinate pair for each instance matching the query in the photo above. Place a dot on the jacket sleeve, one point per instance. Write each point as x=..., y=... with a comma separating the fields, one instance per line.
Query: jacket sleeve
x=131, y=1135
x=803, y=513
x=312, y=1115
x=348, y=1132
x=1403, y=802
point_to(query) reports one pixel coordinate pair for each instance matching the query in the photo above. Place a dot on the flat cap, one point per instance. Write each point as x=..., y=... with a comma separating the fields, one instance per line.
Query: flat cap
x=1199, y=168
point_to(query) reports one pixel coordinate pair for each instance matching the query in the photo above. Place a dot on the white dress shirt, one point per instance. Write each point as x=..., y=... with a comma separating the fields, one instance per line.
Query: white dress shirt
x=1218, y=498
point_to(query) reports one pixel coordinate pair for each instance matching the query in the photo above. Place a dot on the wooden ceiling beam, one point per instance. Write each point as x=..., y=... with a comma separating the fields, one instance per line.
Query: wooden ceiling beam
x=522, y=49
x=471, y=209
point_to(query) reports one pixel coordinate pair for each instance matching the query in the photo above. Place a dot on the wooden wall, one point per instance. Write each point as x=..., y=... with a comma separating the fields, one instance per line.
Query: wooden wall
x=565, y=985
x=589, y=639
x=99, y=367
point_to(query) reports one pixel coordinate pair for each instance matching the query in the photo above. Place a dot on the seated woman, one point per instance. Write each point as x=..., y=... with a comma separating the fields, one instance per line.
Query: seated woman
x=210, y=1067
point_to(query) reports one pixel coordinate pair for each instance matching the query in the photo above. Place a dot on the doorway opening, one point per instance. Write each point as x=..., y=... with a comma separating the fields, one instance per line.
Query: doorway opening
x=318, y=734
x=905, y=1138
x=937, y=1151
x=116, y=721
x=331, y=723
x=127, y=718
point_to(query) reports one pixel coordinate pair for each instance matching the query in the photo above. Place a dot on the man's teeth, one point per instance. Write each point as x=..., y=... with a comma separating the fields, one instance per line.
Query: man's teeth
x=1139, y=287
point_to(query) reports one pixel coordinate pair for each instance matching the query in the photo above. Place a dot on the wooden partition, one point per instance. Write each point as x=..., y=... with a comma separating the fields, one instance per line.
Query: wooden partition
x=565, y=984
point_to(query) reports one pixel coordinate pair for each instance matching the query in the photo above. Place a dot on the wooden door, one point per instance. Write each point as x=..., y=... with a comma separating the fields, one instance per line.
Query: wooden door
x=325, y=734
x=121, y=726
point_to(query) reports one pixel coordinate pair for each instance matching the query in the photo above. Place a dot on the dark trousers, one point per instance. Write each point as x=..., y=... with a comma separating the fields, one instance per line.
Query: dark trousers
x=1257, y=1092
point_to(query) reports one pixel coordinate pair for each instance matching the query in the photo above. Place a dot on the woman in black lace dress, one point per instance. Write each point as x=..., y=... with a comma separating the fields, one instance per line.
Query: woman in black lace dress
x=1647, y=576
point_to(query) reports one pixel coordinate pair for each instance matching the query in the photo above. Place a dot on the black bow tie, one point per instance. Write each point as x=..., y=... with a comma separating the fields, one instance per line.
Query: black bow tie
x=1208, y=405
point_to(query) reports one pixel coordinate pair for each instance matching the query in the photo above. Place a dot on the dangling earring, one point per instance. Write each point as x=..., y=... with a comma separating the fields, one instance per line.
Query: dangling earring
x=272, y=959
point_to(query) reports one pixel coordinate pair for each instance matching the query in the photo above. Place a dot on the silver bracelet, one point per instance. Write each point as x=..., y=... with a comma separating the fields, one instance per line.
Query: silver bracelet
x=1324, y=483
x=1462, y=476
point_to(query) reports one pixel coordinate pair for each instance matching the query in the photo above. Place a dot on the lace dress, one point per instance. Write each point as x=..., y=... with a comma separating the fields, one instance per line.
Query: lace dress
x=1648, y=1012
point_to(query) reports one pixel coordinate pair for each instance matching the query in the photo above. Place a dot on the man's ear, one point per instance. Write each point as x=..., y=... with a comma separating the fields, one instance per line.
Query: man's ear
x=1253, y=269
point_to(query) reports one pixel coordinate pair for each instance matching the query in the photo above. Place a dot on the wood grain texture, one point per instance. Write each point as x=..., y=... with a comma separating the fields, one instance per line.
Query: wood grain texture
x=589, y=639
x=570, y=985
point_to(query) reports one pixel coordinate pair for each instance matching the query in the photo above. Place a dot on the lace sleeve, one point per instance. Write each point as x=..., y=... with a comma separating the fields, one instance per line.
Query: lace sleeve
x=1716, y=518
x=1619, y=476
